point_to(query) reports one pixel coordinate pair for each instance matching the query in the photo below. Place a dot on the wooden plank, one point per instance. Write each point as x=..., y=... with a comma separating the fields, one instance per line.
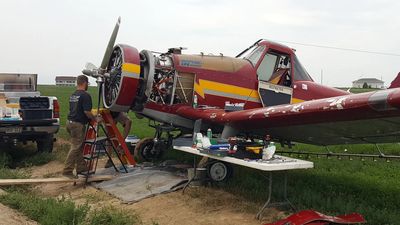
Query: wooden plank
x=6, y=182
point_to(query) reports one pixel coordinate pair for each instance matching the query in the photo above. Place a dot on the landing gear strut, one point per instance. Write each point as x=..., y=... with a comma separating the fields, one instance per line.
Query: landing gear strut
x=150, y=149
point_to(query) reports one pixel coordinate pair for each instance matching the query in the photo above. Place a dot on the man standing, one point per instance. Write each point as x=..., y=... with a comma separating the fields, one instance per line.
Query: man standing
x=80, y=113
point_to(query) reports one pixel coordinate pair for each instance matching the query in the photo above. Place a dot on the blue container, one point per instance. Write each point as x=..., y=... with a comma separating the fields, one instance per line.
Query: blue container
x=219, y=146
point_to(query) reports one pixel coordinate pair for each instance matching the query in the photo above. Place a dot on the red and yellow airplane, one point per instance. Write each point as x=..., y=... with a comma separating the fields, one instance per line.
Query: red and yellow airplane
x=262, y=91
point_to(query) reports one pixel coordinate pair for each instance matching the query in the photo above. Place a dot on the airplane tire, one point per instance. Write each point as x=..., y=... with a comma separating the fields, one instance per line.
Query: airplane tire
x=219, y=171
x=148, y=150
x=141, y=147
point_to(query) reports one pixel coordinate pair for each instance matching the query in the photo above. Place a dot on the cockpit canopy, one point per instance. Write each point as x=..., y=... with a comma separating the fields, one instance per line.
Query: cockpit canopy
x=270, y=60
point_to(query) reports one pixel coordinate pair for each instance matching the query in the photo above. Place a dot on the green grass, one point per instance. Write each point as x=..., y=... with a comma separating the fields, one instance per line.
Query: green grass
x=333, y=186
x=111, y=215
x=25, y=155
x=63, y=211
x=46, y=211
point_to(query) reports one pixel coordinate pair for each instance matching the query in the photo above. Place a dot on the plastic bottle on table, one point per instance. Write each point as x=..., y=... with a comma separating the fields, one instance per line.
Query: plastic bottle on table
x=199, y=140
x=209, y=133
x=269, y=152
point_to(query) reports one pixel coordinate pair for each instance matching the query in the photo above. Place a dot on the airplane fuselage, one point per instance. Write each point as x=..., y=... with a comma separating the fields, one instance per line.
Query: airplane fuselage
x=215, y=81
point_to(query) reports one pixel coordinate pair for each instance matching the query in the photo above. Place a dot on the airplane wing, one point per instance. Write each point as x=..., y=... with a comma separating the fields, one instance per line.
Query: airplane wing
x=372, y=117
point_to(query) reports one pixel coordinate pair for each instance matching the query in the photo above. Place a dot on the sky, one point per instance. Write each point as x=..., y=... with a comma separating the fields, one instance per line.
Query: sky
x=53, y=38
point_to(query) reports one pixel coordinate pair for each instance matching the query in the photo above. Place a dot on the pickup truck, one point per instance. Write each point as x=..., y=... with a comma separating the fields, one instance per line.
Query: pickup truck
x=24, y=114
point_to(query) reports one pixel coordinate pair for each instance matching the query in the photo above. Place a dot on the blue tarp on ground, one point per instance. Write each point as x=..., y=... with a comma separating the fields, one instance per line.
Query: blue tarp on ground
x=140, y=183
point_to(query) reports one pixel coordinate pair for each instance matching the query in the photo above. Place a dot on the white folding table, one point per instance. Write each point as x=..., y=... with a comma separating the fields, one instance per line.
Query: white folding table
x=278, y=163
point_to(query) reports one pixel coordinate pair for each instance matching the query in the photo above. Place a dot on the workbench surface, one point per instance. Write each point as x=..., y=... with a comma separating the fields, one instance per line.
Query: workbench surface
x=276, y=164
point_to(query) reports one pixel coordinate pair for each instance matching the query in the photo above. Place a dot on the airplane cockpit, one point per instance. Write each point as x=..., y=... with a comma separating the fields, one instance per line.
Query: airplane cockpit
x=274, y=72
x=275, y=68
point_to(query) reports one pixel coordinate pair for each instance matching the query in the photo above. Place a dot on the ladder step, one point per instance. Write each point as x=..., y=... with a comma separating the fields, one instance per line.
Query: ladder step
x=95, y=140
x=91, y=172
x=95, y=146
x=89, y=157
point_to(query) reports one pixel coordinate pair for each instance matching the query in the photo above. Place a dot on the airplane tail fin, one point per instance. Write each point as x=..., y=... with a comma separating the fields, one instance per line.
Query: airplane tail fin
x=396, y=82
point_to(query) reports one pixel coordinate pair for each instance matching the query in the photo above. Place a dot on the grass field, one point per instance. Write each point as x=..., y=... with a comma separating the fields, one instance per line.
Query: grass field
x=334, y=186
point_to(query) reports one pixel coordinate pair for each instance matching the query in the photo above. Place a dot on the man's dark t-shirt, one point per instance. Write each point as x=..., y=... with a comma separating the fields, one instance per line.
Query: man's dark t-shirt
x=79, y=102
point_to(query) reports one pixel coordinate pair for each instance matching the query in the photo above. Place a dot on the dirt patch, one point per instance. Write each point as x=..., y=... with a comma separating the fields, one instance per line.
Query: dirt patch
x=51, y=169
x=9, y=216
x=199, y=205
x=176, y=208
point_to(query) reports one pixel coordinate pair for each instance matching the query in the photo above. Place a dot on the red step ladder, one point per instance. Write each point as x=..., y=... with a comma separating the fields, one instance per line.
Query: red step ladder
x=112, y=138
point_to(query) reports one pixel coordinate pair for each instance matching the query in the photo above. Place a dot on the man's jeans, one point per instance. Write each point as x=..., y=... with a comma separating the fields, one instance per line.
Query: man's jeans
x=75, y=156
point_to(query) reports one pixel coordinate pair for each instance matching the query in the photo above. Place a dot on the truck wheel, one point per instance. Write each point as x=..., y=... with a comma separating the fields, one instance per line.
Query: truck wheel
x=45, y=144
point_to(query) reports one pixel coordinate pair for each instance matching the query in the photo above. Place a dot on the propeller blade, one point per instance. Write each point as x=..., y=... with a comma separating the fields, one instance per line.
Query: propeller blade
x=110, y=46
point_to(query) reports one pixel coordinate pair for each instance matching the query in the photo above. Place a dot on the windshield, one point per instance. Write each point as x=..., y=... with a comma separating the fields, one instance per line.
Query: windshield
x=300, y=72
x=255, y=55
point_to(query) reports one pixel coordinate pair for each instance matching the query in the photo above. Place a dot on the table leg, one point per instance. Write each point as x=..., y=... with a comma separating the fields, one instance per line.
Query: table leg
x=259, y=214
x=268, y=202
x=194, y=175
x=285, y=194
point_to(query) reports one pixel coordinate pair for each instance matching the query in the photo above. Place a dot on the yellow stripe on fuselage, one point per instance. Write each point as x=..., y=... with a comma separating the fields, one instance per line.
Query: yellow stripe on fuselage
x=230, y=89
x=296, y=100
x=131, y=68
x=224, y=88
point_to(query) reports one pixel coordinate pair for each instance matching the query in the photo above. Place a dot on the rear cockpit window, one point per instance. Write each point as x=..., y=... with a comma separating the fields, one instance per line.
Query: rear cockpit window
x=255, y=55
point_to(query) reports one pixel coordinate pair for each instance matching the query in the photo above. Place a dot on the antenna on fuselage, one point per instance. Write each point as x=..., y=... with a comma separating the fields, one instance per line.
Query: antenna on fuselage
x=255, y=43
x=322, y=75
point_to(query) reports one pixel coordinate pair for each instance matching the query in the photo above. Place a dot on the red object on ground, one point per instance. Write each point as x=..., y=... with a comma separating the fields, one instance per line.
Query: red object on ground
x=310, y=217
